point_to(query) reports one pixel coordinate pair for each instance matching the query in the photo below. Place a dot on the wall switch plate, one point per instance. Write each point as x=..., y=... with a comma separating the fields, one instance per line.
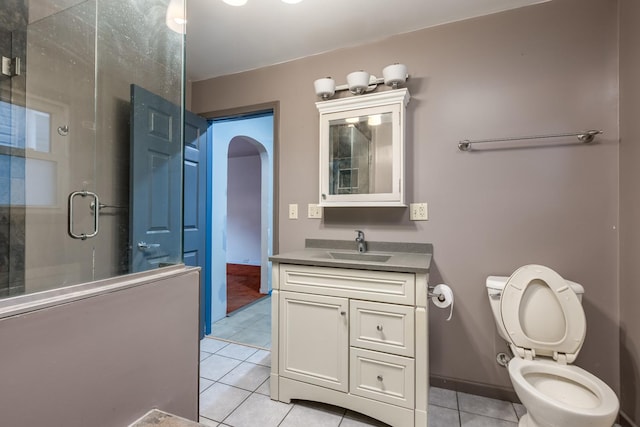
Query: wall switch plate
x=418, y=212
x=314, y=211
x=293, y=211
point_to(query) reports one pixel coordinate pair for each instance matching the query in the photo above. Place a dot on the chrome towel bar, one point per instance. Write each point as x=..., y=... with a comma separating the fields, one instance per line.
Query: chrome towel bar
x=584, y=137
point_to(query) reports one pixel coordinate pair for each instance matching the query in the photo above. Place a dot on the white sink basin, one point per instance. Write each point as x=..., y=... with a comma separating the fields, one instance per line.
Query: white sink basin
x=355, y=256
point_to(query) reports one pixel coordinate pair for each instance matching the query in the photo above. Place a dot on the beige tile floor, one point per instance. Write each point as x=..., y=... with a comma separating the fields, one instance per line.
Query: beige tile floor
x=250, y=325
x=234, y=386
x=234, y=391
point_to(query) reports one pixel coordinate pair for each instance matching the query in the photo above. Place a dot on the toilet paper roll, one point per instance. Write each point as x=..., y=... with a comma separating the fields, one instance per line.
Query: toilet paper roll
x=443, y=298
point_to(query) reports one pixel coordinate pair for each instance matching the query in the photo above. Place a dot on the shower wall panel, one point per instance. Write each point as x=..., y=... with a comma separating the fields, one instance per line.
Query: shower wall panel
x=13, y=21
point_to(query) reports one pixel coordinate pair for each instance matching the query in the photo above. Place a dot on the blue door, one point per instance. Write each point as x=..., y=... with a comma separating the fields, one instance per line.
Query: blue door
x=156, y=180
x=195, y=205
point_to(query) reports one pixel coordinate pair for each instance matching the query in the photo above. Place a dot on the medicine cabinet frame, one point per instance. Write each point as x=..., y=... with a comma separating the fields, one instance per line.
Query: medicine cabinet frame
x=392, y=102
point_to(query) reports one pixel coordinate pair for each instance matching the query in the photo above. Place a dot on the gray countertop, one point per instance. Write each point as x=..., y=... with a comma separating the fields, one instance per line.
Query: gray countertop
x=401, y=257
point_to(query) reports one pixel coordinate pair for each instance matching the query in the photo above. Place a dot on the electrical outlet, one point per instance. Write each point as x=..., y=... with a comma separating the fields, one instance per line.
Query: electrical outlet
x=314, y=211
x=293, y=211
x=418, y=212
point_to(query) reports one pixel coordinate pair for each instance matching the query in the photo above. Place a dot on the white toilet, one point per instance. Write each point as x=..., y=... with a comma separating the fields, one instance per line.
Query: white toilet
x=540, y=315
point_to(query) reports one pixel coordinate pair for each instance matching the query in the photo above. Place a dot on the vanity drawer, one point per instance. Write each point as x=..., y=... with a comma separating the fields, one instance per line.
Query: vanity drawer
x=382, y=327
x=384, y=286
x=383, y=377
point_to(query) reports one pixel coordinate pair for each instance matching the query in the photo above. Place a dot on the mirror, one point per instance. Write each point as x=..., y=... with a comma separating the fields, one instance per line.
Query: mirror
x=360, y=154
x=362, y=150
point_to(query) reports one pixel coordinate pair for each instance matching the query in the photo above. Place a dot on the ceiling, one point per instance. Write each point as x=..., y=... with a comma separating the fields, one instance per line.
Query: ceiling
x=223, y=39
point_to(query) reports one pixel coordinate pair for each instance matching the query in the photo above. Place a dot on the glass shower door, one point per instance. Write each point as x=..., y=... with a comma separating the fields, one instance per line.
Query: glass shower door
x=65, y=134
x=60, y=141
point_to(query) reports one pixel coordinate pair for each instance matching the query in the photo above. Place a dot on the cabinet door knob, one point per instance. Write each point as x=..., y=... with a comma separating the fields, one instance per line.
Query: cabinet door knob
x=343, y=313
x=380, y=378
x=379, y=327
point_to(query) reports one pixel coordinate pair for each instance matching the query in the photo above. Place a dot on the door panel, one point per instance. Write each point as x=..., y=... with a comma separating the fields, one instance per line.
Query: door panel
x=195, y=204
x=156, y=169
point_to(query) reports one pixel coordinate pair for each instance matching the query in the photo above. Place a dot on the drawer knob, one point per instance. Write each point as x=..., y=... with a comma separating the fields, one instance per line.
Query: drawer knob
x=379, y=327
x=380, y=378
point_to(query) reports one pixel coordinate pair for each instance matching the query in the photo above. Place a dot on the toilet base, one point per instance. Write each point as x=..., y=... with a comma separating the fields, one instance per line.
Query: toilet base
x=526, y=421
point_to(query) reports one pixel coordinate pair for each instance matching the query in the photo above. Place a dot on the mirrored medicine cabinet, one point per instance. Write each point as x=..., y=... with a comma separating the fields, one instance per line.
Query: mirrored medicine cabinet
x=362, y=149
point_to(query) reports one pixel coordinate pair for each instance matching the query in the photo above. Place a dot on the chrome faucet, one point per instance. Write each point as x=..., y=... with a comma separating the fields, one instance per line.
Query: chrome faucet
x=362, y=245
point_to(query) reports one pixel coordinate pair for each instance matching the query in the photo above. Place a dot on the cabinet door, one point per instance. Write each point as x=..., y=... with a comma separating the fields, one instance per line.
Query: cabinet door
x=314, y=332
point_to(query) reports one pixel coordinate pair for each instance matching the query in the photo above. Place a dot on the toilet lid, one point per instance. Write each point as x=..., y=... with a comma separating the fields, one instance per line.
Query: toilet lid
x=540, y=312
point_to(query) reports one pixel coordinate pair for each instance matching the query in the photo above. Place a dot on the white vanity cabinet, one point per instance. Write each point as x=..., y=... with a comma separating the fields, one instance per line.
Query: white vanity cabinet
x=351, y=338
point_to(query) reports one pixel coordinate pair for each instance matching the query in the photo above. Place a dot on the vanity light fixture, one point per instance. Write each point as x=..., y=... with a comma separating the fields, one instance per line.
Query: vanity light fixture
x=325, y=87
x=359, y=82
x=395, y=75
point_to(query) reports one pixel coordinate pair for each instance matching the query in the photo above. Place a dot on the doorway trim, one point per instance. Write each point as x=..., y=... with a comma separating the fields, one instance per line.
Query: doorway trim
x=216, y=223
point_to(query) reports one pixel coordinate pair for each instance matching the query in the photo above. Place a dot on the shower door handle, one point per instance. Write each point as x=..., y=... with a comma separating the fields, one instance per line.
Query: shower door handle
x=96, y=217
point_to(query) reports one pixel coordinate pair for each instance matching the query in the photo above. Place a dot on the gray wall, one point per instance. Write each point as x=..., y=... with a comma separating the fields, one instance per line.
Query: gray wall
x=244, y=210
x=629, y=209
x=104, y=360
x=547, y=68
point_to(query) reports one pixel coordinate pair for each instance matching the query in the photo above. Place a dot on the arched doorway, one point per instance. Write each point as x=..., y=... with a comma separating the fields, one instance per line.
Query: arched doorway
x=245, y=284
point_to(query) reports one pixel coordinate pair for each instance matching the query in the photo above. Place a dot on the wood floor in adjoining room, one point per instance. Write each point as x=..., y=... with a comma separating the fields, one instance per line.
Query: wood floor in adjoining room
x=243, y=285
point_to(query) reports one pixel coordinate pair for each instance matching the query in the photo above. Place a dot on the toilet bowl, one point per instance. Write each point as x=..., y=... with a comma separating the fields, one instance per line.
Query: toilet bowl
x=561, y=395
x=541, y=317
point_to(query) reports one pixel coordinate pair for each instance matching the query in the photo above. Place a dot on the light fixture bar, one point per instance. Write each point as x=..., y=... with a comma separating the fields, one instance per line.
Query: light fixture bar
x=360, y=82
x=375, y=82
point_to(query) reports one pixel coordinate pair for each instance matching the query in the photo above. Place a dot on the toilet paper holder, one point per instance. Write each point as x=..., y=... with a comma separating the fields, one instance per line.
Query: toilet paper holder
x=432, y=294
x=442, y=297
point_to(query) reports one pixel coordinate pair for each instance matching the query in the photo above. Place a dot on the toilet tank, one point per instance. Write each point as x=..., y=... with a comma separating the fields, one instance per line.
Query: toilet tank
x=495, y=285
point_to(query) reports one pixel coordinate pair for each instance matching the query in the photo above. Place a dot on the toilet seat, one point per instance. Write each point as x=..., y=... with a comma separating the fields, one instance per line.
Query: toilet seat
x=545, y=325
x=542, y=315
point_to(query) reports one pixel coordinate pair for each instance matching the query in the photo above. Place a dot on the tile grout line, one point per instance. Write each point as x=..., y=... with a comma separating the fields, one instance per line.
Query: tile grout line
x=287, y=414
x=236, y=408
x=489, y=416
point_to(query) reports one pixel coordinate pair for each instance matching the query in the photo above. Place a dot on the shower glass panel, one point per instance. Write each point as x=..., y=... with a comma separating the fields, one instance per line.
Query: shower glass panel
x=65, y=134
